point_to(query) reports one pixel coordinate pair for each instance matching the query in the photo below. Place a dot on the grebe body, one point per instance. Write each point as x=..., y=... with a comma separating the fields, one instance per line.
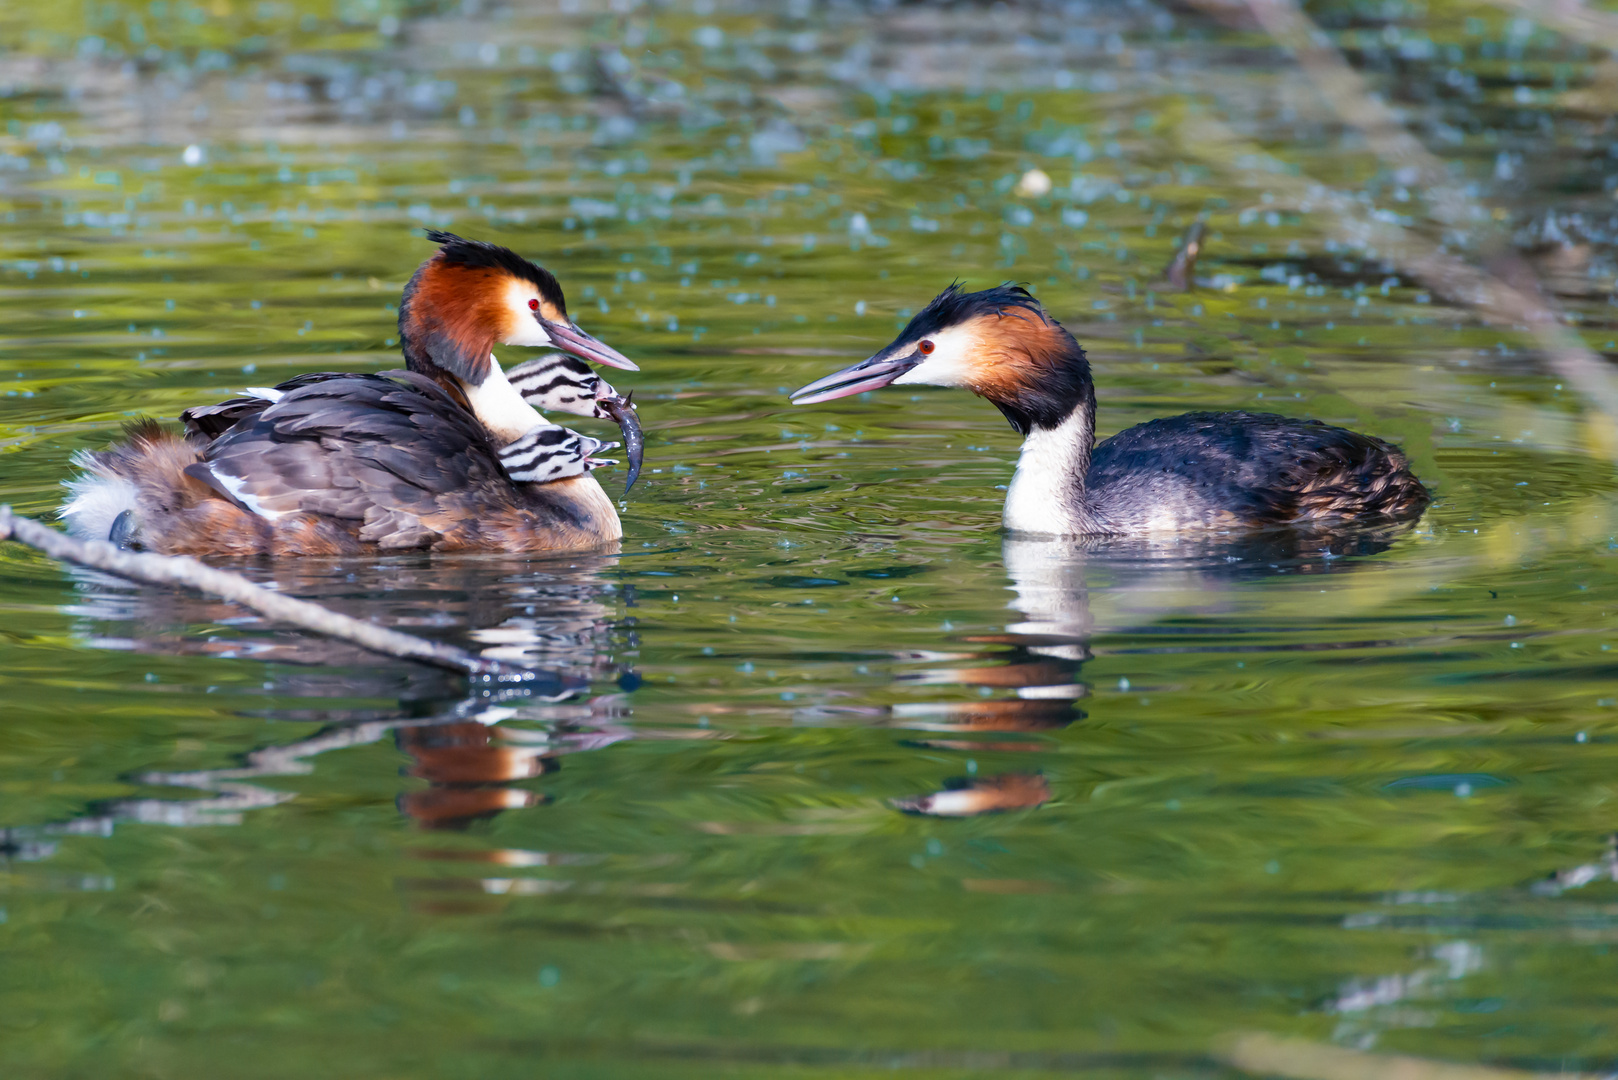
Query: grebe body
x=450, y=455
x=1200, y=471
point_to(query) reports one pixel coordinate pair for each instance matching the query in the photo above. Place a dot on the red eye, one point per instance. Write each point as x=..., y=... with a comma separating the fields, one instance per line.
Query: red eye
x=926, y=347
x=533, y=305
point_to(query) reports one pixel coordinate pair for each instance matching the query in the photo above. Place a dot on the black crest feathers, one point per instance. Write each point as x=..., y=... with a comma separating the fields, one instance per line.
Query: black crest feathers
x=480, y=255
x=454, y=307
x=954, y=306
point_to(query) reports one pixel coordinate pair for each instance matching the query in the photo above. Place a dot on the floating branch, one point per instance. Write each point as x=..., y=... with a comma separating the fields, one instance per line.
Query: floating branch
x=1262, y=1054
x=189, y=573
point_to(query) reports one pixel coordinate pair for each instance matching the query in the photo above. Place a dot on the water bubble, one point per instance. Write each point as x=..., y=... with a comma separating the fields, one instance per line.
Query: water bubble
x=1033, y=184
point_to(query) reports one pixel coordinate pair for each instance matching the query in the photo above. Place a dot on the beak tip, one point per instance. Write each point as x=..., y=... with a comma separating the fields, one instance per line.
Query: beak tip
x=570, y=339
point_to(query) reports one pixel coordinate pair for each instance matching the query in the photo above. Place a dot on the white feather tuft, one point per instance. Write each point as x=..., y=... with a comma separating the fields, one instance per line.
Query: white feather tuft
x=95, y=500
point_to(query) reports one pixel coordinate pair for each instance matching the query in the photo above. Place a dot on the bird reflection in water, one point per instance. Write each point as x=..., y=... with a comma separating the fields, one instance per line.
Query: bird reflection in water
x=1033, y=673
x=474, y=751
x=471, y=765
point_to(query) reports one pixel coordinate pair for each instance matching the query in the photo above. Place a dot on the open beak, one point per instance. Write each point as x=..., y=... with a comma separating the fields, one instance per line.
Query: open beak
x=569, y=338
x=872, y=374
x=622, y=410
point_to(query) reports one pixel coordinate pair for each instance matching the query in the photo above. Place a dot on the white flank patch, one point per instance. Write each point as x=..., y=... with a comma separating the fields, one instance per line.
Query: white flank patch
x=95, y=502
x=265, y=393
x=501, y=409
x=235, y=484
x=1043, y=493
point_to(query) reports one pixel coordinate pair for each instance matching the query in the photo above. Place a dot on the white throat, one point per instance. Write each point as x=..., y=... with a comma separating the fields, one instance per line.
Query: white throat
x=500, y=407
x=1047, y=493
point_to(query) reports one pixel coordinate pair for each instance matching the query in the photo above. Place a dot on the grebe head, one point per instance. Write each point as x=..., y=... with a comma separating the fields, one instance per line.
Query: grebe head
x=467, y=298
x=998, y=343
x=552, y=453
x=471, y=296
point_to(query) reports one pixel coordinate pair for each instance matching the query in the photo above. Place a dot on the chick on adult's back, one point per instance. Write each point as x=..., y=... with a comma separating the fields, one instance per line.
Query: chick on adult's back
x=450, y=455
x=1222, y=471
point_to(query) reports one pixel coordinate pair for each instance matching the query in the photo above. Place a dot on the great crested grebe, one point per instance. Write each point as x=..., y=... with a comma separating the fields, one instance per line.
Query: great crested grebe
x=1199, y=471
x=450, y=455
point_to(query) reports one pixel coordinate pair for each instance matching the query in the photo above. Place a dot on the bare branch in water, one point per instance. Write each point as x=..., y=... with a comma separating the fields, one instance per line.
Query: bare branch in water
x=1263, y=1054
x=1182, y=270
x=189, y=573
x=1506, y=292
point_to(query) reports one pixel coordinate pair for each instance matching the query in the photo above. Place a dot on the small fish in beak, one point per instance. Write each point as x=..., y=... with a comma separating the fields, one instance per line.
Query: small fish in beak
x=560, y=382
x=622, y=411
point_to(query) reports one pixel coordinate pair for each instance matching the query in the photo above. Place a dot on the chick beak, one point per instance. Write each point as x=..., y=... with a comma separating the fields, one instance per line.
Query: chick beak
x=569, y=338
x=622, y=410
x=872, y=374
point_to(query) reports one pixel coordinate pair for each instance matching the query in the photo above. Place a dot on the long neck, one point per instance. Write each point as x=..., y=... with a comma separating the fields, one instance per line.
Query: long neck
x=500, y=407
x=1047, y=494
x=445, y=335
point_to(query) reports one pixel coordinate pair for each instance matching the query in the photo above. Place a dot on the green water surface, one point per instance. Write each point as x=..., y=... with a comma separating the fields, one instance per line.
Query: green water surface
x=1353, y=789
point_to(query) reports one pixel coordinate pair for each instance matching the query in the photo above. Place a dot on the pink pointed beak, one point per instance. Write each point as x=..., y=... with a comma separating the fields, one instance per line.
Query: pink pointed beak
x=872, y=374
x=569, y=338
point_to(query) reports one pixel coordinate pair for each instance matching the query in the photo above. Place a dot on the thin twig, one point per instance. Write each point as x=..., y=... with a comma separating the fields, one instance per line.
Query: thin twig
x=1582, y=24
x=1344, y=90
x=1508, y=291
x=188, y=572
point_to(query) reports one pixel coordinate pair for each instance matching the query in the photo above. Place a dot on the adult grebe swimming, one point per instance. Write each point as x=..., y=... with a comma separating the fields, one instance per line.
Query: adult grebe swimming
x=450, y=455
x=1221, y=471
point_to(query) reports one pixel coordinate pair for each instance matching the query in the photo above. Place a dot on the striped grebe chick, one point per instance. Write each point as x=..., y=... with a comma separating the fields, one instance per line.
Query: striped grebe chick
x=1200, y=471
x=449, y=455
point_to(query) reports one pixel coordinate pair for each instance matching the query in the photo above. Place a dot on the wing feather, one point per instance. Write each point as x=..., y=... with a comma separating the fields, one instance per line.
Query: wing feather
x=384, y=452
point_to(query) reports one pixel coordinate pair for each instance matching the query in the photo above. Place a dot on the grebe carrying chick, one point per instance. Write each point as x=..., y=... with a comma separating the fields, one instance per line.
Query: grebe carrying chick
x=449, y=455
x=1222, y=471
